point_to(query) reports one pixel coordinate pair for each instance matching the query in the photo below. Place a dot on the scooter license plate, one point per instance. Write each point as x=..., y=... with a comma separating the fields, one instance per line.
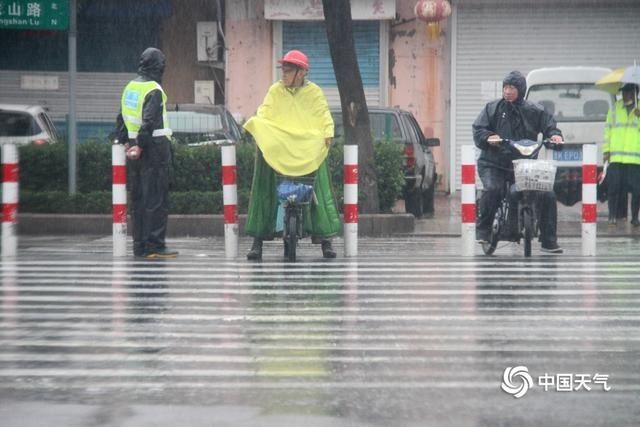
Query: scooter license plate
x=569, y=153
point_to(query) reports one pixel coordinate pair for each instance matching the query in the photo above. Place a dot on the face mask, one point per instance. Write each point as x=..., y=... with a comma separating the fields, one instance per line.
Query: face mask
x=628, y=102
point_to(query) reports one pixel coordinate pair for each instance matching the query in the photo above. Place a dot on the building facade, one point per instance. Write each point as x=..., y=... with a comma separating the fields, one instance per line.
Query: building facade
x=110, y=37
x=226, y=52
x=400, y=63
x=489, y=38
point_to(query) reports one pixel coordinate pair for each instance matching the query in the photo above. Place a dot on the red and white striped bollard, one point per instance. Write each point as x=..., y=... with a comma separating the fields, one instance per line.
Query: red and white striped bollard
x=119, y=199
x=350, y=200
x=589, y=199
x=230, y=199
x=468, y=200
x=10, y=180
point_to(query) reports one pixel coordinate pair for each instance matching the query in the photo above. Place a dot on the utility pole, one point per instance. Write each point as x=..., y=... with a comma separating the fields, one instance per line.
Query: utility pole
x=71, y=121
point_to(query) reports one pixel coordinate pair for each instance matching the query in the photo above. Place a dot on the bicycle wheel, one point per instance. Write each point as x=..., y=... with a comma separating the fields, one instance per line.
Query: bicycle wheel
x=489, y=247
x=292, y=235
x=498, y=224
x=527, y=219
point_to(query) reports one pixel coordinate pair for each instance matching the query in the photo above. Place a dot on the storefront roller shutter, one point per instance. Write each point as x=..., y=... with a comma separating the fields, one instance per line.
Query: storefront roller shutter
x=493, y=38
x=311, y=38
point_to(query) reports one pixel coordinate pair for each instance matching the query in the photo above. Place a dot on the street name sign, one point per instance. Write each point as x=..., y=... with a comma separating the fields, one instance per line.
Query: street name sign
x=34, y=14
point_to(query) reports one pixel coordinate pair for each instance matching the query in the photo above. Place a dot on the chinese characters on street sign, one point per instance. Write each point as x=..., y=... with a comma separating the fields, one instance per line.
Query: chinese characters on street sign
x=34, y=14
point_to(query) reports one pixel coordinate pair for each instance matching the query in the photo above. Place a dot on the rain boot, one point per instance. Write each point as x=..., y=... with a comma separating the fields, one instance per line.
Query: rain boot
x=255, y=254
x=327, y=249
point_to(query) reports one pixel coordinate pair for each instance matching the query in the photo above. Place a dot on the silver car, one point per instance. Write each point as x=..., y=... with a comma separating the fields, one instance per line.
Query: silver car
x=400, y=126
x=195, y=124
x=26, y=124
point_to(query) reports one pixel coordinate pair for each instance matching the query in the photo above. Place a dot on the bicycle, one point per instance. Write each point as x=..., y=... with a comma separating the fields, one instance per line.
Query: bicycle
x=531, y=176
x=294, y=194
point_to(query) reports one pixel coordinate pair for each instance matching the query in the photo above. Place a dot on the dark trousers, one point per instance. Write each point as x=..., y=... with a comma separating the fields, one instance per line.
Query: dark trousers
x=633, y=184
x=623, y=178
x=616, y=183
x=493, y=181
x=149, y=184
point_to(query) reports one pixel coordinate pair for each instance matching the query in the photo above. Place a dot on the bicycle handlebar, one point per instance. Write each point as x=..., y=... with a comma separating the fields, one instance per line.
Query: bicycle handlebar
x=547, y=143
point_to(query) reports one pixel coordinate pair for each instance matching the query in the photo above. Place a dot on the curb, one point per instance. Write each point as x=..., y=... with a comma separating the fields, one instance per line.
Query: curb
x=369, y=225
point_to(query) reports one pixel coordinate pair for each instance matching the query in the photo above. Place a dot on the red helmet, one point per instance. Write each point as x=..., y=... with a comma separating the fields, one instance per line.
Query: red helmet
x=296, y=58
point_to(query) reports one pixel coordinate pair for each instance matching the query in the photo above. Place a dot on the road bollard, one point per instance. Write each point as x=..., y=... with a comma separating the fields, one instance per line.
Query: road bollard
x=10, y=181
x=350, y=200
x=468, y=200
x=119, y=199
x=230, y=198
x=589, y=199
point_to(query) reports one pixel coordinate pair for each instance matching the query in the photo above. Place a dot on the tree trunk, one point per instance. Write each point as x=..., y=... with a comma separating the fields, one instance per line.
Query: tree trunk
x=355, y=116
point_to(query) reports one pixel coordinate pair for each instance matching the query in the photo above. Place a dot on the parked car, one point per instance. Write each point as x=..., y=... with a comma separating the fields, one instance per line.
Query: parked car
x=580, y=109
x=196, y=124
x=400, y=126
x=26, y=124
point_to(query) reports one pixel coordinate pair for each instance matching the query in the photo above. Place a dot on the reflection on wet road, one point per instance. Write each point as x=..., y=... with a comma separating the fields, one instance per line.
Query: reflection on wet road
x=407, y=338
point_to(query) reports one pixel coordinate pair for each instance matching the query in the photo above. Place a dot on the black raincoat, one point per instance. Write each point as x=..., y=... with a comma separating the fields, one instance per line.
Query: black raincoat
x=511, y=120
x=149, y=176
x=518, y=120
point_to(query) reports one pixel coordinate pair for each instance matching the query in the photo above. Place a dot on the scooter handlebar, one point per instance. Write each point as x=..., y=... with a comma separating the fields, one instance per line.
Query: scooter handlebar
x=547, y=143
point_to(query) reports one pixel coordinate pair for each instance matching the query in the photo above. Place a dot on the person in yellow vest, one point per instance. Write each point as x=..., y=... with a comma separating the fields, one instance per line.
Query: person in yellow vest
x=622, y=150
x=143, y=127
x=293, y=129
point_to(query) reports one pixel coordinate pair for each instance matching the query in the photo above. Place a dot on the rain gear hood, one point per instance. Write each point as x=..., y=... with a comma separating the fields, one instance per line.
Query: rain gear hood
x=151, y=64
x=517, y=80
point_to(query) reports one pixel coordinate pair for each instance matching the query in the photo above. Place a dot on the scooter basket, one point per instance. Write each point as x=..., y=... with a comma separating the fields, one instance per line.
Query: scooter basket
x=300, y=190
x=534, y=175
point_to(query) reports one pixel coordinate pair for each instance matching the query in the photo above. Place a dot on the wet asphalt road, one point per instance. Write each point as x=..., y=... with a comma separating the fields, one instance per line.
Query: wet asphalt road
x=407, y=334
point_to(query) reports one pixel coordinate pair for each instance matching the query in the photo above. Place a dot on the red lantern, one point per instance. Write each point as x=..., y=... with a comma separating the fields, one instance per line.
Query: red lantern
x=432, y=10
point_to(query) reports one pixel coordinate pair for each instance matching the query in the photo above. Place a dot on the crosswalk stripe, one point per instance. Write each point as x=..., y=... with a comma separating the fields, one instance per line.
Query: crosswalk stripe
x=97, y=325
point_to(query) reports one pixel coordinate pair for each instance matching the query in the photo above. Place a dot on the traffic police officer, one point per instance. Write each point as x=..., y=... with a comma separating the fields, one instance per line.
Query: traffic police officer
x=142, y=124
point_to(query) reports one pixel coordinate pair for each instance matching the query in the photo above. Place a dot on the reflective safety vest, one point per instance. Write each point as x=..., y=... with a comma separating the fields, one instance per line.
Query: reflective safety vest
x=622, y=136
x=132, y=102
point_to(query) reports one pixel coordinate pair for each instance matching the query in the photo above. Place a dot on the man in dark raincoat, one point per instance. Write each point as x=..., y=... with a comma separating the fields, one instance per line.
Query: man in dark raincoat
x=512, y=117
x=143, y=127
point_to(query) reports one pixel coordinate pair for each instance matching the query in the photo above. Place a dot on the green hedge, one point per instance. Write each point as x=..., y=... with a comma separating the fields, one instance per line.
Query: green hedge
x=388, y=170
x=187, y=202
x=62, y=202
x=196, y=186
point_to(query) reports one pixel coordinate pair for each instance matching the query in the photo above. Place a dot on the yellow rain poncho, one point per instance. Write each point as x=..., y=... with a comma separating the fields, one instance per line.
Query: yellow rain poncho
x=291, y=127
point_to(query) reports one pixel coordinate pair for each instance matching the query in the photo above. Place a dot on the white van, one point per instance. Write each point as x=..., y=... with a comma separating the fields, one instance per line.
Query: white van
x=26, y=124
x=580, y=109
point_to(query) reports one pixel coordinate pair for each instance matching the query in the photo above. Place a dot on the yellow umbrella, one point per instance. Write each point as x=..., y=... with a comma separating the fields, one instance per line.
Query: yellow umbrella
x=613, y=81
